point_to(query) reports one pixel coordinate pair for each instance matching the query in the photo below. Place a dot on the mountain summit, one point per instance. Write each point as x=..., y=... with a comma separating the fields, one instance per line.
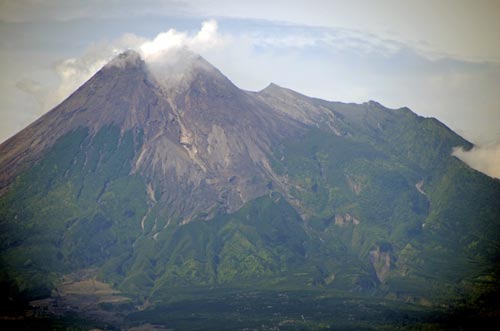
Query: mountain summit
x=196, y=130
x=158, y=176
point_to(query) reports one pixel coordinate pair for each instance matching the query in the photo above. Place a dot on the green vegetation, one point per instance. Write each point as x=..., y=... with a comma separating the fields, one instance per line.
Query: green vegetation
x=236, y=309
x=74, y=209
x=396, y=234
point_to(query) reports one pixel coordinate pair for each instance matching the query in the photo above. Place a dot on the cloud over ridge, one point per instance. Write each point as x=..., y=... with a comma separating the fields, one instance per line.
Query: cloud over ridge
x=75, y=71
x=485, y=158
x=329, y=63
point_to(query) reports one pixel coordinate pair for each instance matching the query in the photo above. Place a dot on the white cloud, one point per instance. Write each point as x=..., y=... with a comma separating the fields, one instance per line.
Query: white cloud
x=484, y=158
x=73, y=72
x=333, y=64
x=206, y=38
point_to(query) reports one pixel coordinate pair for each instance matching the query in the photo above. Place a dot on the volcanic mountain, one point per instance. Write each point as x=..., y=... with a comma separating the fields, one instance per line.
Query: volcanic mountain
x=204, y=136
x=165, y=175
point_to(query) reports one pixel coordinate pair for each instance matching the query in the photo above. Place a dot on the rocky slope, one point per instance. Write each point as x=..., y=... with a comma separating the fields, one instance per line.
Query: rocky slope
x=201, y=134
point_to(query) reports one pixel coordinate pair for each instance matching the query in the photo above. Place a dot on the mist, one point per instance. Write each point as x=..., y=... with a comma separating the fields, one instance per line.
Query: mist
x=485, y=158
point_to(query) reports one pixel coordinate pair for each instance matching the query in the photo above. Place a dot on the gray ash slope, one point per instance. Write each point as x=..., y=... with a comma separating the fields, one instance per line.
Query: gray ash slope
x=203, y=135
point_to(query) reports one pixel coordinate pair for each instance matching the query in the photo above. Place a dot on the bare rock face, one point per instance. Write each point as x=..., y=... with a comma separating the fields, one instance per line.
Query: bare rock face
x=204, y=144
x=222, y=140
x=198, y=132
x=381, y=260
x=347, y=219
x=300, y=107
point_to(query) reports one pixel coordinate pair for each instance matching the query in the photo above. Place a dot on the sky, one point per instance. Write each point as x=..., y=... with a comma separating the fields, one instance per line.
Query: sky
x=439, y=58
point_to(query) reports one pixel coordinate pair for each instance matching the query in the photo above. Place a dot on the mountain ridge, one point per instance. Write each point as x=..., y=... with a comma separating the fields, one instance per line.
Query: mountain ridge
x=166, y=185
x=292, y=110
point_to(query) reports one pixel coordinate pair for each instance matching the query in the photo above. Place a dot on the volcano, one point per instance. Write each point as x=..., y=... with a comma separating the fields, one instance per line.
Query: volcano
x=166, y=182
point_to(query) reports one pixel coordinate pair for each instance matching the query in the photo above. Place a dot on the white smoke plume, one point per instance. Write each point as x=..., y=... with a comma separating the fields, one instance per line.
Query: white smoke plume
x=485, y=158
x=173, y=40
x=73, y=72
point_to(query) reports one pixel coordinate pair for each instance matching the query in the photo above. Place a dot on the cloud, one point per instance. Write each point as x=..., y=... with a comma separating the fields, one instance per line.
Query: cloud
x=32, y=87
x=484, y=158
x=268, y=51
x=75, y=71
x=173, y=40
x=329, y=63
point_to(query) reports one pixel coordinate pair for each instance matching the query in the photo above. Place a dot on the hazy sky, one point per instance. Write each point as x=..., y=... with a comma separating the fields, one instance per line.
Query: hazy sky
x=440, y=58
